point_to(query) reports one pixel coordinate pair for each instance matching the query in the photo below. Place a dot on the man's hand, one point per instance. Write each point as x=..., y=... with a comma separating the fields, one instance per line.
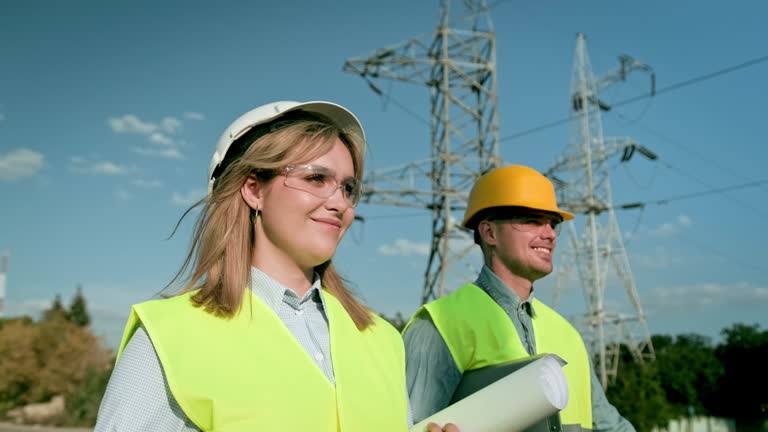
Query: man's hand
x=449, y=427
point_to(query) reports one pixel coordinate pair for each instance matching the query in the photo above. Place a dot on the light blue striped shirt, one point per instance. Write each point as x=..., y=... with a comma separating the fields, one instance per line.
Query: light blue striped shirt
x=138, y=397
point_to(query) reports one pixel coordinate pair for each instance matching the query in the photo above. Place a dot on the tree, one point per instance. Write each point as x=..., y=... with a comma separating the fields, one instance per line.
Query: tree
x=688, y=371
x=52, y=357
x=83, y=404
x=18, y=363
x=78, y=311
x=637, y=394
x=741, y=389
x=398, y=321
x=56, y=311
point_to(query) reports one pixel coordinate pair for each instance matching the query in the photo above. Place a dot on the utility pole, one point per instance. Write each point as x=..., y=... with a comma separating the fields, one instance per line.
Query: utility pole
x=458, y=66
x=584, y=188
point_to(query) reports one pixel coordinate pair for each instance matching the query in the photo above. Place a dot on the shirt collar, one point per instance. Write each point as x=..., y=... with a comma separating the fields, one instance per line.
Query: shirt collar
x=272, y=292
x=501, y=294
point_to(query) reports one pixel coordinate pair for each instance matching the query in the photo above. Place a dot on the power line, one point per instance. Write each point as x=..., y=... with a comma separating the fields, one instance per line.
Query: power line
x=696, y=80
x=696, y=179
x=715, y=190
x=386, y=98
x=666, y=89
x=639, y=204
x=690, y=150
x=734, y=260
x=642, y=205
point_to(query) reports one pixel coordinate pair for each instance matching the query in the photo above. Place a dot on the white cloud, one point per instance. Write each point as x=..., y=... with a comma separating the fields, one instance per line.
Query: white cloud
x=129, y=123
x=103, y=167
x=191, y=115
x=147, y=184
x=706, y=294
x=170, y=125
x=163, y=134
x=404, y=247
x=189, y=198
x=132, y=124
x=30, y=307
x=20, y=163
x=166, y=153
x=108, y=168
x=123, y=194
x=160, y=139
x=666, y=229
x=660, y=258
x=684, y=220
x=669, y=229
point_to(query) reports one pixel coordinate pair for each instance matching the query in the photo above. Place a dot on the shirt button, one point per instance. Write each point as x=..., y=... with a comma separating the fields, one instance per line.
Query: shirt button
x=300, y=312
x=319, y=356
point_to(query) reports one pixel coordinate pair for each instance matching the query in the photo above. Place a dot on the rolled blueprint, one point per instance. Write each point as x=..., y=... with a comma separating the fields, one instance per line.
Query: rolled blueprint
x=514, y=402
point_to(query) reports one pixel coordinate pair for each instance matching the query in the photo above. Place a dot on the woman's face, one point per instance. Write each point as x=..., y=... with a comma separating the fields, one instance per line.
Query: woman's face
x=297, y=225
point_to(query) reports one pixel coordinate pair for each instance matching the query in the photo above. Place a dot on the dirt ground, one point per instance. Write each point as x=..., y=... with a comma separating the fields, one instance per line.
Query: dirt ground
x=10, y=427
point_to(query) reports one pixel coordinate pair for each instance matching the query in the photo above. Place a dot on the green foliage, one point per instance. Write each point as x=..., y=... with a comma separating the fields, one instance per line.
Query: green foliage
x=20, y=319
x=78, y=311
x=728, y=380
x=83, y=403
x=54, y=356
x=398, y=321
x=638, y=395
x=741, y=391
x=56, y=311
x=688, y=370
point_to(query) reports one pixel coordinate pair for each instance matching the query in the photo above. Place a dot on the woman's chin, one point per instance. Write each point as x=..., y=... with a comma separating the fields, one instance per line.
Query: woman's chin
x=320, y=258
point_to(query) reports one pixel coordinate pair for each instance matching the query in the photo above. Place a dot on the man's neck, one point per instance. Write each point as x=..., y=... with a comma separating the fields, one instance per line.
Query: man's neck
x=519, y=285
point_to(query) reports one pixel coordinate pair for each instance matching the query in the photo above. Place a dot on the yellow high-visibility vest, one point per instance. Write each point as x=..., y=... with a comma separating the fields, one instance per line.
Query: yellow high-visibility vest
x=249, y=373
x=479, y=333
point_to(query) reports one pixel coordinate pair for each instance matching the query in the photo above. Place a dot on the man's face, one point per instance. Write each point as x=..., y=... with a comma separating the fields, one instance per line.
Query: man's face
x=525, y=240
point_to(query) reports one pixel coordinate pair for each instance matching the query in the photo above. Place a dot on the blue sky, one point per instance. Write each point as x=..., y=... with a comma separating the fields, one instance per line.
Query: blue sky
x=109, y=114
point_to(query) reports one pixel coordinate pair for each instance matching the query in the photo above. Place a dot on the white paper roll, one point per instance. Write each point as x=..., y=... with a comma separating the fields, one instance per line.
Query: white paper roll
x=511, y=404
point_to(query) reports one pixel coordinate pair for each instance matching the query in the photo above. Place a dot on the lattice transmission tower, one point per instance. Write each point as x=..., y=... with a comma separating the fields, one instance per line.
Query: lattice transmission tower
x=458, y=66
x=597, y=246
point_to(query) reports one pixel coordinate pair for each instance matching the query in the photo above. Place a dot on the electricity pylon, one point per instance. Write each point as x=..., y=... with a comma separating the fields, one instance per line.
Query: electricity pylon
x=458, y=65
x=584, y=188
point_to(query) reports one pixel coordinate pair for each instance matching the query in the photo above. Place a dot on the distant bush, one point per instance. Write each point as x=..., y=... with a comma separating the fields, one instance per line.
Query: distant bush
x=39, y=360
x=83, y=404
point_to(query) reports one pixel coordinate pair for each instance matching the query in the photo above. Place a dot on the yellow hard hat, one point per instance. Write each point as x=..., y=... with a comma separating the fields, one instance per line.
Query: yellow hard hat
x=512, y=186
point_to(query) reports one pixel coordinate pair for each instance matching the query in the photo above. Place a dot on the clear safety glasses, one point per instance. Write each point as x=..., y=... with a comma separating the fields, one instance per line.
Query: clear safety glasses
x=530, y=222
x=321, y=182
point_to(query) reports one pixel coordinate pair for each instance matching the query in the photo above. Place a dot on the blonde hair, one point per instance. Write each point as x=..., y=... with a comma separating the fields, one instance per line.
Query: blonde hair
x=219, y=259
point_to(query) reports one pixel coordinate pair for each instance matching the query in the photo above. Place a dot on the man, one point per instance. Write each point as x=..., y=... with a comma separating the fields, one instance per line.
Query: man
x=515, y=218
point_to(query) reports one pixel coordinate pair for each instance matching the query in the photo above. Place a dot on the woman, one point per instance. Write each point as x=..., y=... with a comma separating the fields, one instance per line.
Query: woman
x=265, y=335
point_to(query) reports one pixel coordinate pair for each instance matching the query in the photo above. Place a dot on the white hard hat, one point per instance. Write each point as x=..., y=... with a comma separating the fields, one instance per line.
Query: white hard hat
x=337, y=114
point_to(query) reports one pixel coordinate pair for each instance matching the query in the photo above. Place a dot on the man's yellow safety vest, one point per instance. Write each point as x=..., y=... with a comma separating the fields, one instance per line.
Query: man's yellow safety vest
x=479, y=333
x=249, y=373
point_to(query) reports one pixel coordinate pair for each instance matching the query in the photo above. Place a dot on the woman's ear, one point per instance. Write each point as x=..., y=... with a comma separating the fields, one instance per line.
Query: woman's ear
x=251, y=192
